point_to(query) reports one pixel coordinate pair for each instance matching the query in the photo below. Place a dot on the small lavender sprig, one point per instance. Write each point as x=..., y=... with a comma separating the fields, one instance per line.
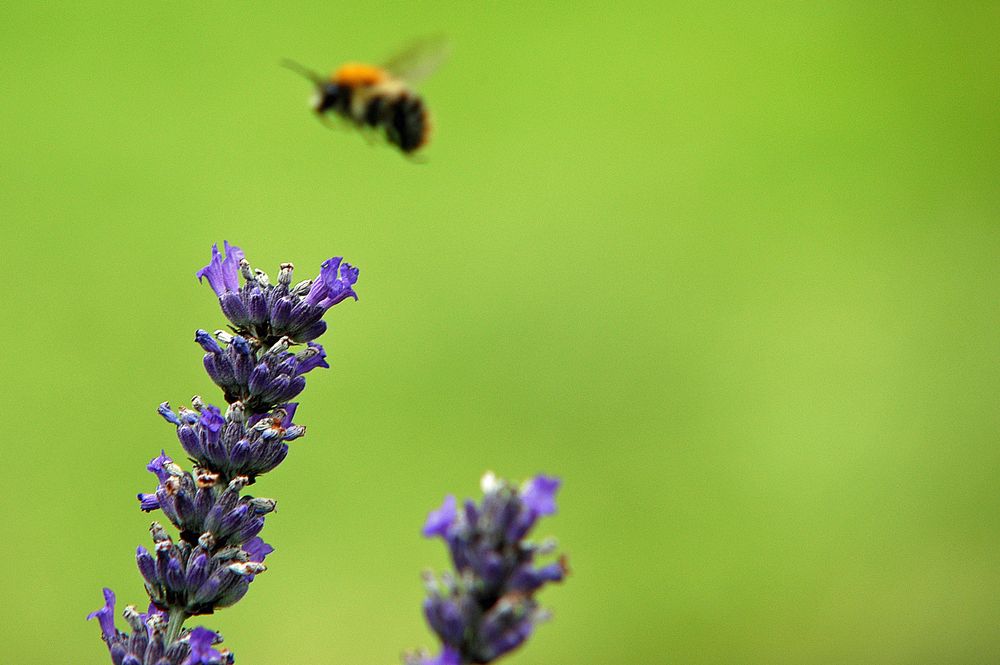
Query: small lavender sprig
x=486, y=608
x=218, y=551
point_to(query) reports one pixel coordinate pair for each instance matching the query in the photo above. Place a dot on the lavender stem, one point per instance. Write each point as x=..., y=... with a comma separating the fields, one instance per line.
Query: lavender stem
x=177, y=619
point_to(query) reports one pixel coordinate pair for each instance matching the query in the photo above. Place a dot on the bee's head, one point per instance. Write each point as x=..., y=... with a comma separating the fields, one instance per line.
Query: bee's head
x=330, y=96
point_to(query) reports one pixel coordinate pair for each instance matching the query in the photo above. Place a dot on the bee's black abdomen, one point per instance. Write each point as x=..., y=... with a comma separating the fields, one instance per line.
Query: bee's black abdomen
x=375, y=112
x=406, y=123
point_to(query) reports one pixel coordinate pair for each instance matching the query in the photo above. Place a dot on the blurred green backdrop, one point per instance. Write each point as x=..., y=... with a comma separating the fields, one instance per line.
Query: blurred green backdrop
x=730, y=269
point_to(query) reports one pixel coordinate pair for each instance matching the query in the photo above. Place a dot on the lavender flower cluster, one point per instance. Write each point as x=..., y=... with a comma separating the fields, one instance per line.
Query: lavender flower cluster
x=481, y=611
x=217, y=551
x=486, y=607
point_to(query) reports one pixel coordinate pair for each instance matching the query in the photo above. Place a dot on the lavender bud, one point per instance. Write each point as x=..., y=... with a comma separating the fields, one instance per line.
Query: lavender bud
x=285, y=274
x=257, y=307
x=281, y=313
x=250, y=528
x=235, y=413
x=547, y=546
x=197, y=571
x=147, y=564
x=167, y=414
x=310, y=332
x=156, y=623
x=247, y=271
x=234, y=309
x=175, y=576
x=159, y=533
x=259, y=379
x=187, y=416
x=227, y=553
x=206, y=541
x=261, y=506
x=133, y=617
x=280, y=346
x=206, y=342
x=247, y=568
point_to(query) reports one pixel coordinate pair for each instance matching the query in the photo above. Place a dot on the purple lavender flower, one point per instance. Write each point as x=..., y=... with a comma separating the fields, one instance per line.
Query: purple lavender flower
x=439, y=521
x=199, y=504
x=540, y=494
x=218, y=551
x=486, y=608
x=222, y=273
x=234, y=445
x=198, y=578
x=202, y=653
x=258, y=381
x=145, y=643
x=106, y=616
x=267, y=312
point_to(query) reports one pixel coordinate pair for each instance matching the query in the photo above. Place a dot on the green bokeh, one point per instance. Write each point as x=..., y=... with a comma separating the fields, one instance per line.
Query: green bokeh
x=731, y=270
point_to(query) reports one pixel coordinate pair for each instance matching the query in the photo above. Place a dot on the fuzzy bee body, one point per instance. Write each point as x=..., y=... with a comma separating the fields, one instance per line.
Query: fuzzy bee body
x=381, y=98
x=370, y=96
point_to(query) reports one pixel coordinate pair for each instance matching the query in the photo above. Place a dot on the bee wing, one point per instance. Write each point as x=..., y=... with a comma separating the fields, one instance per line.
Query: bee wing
x=419, y=60
x=302, y=70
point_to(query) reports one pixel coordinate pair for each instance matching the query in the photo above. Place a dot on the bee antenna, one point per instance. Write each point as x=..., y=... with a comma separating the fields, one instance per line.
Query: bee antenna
x=302, y=71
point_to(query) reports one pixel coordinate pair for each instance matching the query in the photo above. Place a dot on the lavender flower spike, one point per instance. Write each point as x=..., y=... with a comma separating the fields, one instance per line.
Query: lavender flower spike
x=268, y=311
x=217, y=552
x=486, y=608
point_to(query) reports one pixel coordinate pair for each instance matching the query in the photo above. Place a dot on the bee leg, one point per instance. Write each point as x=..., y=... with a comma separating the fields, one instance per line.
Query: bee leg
x=416, y=158
x=371, y=135
x=328, y=122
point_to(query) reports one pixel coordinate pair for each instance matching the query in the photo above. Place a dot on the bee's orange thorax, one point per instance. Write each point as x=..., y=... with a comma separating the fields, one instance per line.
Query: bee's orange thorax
x=358, y=74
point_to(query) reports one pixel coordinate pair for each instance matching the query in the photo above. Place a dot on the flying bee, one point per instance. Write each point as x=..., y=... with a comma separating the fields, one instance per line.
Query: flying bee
x=380, y=97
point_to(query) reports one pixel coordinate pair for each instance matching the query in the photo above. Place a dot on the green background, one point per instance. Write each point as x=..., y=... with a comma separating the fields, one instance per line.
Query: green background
x=729, y=269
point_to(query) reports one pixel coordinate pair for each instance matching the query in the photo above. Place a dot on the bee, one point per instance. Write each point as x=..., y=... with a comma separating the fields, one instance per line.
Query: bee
x=380, y=97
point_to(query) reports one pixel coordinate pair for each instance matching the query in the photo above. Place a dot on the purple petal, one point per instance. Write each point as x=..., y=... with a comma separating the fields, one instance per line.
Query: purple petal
x=338, y=288
x=448, y=656
x=213, y=273
x=231, y=266
x=440, y=520
x=106, y=616
x=241, y=345
x=157, y=465
x=316, y=360
x=328, y=270
x=540, y=494
x=201, y=640
x=211, y=418
x=349, y=273
x=333, y=284
x=289, y=408
x=148, y=502
x=167, y=414
x=527, y=579
x=257, y=549
x=207, y=342
x=321, y=285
